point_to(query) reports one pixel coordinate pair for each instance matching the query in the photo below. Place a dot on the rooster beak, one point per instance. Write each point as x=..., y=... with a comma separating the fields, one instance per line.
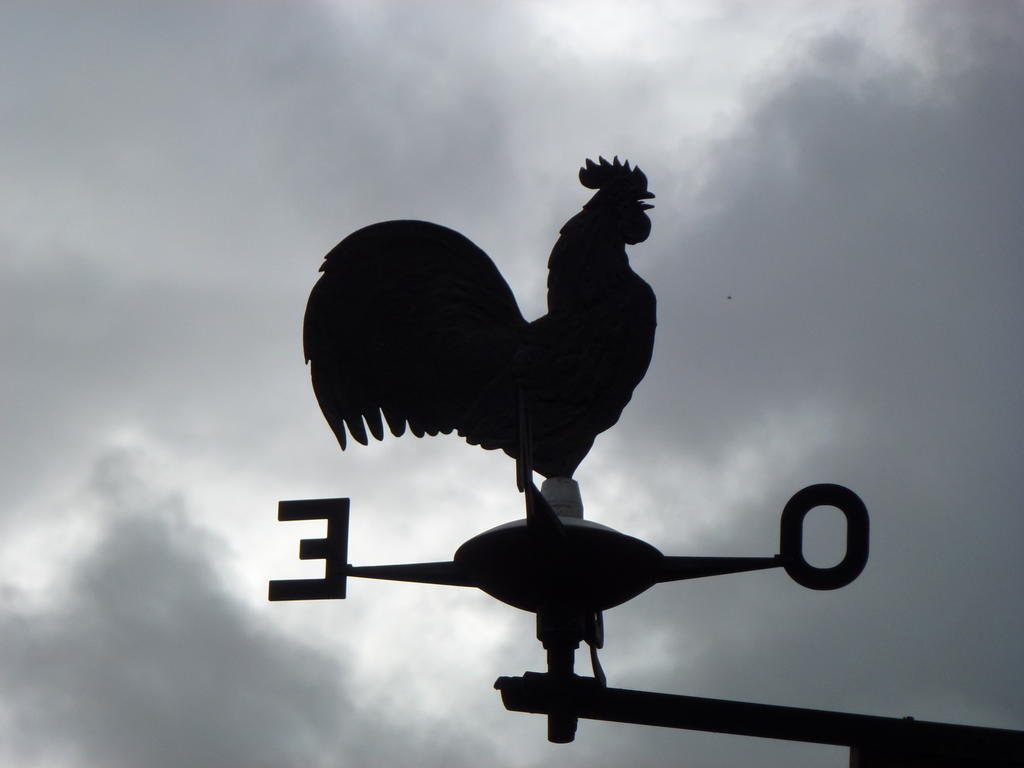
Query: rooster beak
x=645, y=196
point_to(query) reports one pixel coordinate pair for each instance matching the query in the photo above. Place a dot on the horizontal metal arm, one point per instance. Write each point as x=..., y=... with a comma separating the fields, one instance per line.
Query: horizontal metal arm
x=583, y=697
x=448, y=573
x=680, y=568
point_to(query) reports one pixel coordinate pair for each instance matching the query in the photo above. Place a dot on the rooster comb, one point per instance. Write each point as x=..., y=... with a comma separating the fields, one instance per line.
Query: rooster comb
x=603, y=174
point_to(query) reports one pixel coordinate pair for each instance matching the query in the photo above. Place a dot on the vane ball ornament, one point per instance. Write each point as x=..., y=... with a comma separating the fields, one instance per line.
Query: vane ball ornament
x=412, y=326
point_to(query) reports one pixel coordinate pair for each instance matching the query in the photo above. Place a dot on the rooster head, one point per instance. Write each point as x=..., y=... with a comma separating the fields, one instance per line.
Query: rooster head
x=621, y=190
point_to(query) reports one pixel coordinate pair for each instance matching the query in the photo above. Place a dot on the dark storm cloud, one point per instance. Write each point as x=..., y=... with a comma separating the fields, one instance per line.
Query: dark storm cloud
x=146, y=658
x=191, y=133
x=865, y=222
x=88, y=352
x=171, y=182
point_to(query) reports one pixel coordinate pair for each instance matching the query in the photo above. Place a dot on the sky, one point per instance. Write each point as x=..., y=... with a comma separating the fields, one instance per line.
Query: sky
x=849, y=173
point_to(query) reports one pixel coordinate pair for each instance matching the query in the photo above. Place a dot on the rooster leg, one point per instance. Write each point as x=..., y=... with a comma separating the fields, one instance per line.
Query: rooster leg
x=593, y=634
x=524, y=457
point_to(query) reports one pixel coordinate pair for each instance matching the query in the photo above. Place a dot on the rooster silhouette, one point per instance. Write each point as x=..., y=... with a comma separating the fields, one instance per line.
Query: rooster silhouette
x=411, y=323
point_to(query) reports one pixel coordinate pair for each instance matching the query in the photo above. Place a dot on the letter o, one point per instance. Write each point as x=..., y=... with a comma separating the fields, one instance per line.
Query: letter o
x=791, y=534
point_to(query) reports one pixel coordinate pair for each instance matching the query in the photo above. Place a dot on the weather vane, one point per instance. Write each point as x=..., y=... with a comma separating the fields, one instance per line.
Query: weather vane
x=411, y=325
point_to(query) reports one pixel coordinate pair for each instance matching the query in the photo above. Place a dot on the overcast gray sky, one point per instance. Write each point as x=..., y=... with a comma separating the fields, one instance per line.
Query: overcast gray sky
x=849, y=173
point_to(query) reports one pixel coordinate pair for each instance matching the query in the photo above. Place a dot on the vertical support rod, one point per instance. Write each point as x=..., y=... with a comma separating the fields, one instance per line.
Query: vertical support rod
x=560, y=631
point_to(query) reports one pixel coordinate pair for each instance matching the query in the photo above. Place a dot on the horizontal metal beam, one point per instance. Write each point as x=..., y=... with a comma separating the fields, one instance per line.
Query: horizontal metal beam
x=538, y=693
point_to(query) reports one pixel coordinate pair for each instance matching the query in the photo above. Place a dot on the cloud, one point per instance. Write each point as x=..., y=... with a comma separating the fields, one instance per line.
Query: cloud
x=145, y=657
x=862, y=220
x=171, y=182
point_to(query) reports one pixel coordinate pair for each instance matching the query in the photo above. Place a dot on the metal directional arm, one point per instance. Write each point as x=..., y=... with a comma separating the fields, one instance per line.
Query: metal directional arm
x=333, y=550
x=448, y=573
x=680, y=568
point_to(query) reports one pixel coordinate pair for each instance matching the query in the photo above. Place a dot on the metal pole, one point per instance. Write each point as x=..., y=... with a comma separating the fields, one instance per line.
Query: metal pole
x=868, y=734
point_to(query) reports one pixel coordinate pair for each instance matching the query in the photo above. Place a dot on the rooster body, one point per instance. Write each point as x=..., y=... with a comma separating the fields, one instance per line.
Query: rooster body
x=412, y=324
